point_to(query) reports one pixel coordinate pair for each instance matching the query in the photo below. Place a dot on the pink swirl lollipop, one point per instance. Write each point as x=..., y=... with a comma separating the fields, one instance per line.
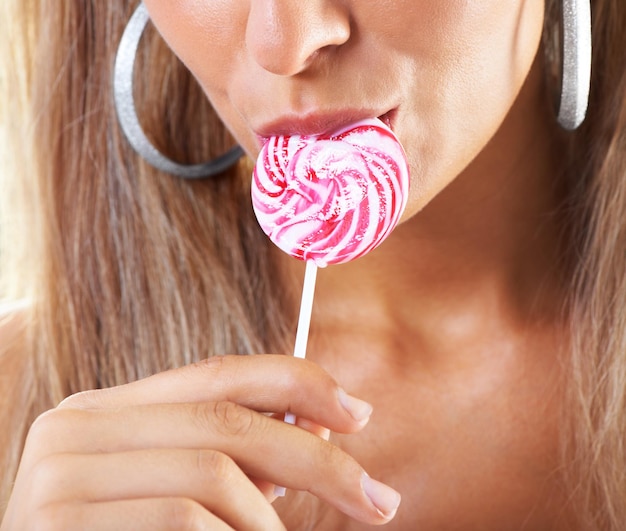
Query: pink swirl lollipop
x=331, y=198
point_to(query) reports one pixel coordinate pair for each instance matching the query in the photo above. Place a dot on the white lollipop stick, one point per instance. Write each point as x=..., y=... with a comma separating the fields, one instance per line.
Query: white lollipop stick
x=302, y=333
x=304, y=321
x=306, y=308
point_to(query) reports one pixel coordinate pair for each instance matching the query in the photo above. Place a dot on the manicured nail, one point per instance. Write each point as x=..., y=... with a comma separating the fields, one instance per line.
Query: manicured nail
x=358, y=409
x=311, y=427
x=385, y=499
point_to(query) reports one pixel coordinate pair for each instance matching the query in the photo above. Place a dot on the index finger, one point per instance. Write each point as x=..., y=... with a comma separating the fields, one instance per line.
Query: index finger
x=264, y=383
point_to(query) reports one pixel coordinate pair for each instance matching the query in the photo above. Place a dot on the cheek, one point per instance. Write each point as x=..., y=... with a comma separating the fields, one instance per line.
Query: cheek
x=209, y=38
x=205, y=35
x=489, y=62
x=182, y=20
x=469, y=75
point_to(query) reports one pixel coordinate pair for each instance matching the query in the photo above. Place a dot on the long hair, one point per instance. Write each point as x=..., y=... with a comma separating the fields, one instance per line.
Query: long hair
x=594, y=457
x=130, y=272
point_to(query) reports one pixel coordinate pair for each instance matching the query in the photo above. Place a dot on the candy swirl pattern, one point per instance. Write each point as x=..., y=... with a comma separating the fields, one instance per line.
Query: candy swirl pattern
x=331, y=198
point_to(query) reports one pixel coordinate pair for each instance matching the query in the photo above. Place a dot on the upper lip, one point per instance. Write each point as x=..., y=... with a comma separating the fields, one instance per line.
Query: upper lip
x=319, y=122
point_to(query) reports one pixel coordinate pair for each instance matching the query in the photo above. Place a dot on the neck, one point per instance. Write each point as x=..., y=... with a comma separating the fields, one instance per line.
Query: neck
x=488, y=245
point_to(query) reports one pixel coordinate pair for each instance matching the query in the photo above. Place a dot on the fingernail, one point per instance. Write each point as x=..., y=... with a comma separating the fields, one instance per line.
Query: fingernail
x=312, y=427
x=358, y=409
x=325, y=434
x=385, y=499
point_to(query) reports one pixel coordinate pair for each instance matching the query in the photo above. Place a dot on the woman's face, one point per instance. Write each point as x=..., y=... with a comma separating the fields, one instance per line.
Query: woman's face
x=443, y=73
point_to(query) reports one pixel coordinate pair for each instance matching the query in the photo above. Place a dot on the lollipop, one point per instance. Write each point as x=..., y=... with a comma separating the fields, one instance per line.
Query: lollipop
x=331, y=198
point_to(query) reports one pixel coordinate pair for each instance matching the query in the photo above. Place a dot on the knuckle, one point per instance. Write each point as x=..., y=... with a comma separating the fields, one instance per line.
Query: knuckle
x=292, y=380
x=215, y=466
x=54, y=432
x=228, y=418
x=215, y=366
x=184, y=514
x=45, y=471
x=46, y=426
x=235, y=419
x=44, y=477
x=333, y=464
x=222, y=370
x=307, y=374
x=333, y=457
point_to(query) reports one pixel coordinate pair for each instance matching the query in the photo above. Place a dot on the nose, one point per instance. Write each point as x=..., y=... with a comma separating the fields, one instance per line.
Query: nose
x=284, y=36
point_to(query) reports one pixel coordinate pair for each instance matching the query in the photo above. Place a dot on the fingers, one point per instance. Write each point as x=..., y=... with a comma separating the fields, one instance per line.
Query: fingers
x=216, y=425
x=166, y=514
x=265, y=383
x=168, y=437
x=210, y=478
x=261, y=446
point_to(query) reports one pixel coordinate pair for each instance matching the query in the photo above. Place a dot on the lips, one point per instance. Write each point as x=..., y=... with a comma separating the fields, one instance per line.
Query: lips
x=320, y=123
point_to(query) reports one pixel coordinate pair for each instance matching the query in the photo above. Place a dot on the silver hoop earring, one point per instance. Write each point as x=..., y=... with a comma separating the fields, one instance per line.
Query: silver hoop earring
x=576, y=65
x=127, y=114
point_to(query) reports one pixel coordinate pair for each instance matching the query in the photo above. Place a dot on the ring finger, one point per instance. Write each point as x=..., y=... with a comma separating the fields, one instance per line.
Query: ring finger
x=208, y=477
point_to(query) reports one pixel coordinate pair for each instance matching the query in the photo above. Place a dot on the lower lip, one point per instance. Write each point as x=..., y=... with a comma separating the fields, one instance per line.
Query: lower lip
x=388, y=119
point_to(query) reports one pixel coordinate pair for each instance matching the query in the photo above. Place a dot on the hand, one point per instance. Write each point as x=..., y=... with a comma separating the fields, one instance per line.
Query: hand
x=194, y=448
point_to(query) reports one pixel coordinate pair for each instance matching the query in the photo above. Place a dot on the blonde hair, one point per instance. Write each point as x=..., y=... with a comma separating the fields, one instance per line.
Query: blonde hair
x=131, y=272
x=595, y=443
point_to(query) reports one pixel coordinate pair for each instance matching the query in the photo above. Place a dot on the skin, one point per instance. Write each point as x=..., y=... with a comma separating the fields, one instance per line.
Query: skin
x=458, y=354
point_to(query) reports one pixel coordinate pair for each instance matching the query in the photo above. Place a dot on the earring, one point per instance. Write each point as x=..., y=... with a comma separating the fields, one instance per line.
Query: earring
x=127, y=114
x=576, y=65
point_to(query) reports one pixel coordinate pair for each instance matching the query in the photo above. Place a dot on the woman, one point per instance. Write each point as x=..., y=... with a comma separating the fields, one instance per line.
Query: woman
x=487, y=332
